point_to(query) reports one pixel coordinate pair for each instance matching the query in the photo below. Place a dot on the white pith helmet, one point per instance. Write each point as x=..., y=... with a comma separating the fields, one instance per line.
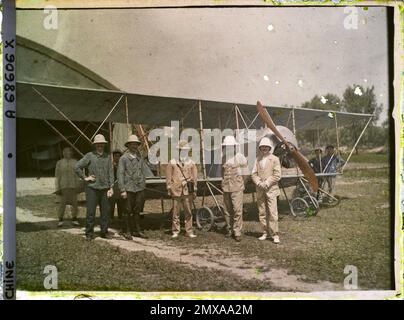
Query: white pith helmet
x=132, y=138
x=229, y=141
x=265, y=141
x=99, y=138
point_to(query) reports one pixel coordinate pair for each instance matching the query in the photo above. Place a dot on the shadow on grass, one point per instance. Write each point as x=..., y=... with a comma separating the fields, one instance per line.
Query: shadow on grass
x=47, y=225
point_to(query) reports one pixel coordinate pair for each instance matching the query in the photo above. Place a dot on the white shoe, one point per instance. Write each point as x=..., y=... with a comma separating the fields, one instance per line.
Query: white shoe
x=263, y=237
x=175, y=235
x=191, y=235
x=276, y=239
x=60, y=224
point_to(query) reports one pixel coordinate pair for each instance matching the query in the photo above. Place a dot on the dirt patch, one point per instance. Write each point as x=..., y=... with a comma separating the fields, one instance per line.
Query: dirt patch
x=246, y=268
x=35, y=186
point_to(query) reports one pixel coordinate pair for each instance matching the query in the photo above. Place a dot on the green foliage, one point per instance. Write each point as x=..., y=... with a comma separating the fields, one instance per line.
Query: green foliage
x=332, y=102
x=316, y=137
x=364, y=103
x=355, y=99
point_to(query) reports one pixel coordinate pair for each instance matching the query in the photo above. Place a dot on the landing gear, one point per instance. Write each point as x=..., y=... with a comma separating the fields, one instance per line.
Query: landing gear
x=304, y=207
x=208, y=219
x=205, y=218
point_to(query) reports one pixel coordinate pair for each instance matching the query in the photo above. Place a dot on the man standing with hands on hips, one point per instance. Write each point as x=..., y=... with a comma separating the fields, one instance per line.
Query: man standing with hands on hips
x=132, y=172
x=265, y=175
x=99, y=183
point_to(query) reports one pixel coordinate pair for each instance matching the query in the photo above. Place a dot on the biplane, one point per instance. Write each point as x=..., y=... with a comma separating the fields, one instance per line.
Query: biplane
x=51, y=103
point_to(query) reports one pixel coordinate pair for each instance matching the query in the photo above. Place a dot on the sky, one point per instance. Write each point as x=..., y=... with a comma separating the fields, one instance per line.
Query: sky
x=281, y=56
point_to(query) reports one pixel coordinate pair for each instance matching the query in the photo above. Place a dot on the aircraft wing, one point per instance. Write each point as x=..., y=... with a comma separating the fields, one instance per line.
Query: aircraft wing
x=81, y=104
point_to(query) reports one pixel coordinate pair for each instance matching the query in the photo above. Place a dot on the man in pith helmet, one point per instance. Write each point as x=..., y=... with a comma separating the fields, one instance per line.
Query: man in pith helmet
x=132, y=172
x=99, y=183
x=234, y=172
x=181, y=179
x=265, y=175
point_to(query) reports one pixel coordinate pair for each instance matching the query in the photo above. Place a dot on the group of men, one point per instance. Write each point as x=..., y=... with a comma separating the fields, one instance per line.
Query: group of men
x=265, y=175
x=121, y=181
x=327, y=164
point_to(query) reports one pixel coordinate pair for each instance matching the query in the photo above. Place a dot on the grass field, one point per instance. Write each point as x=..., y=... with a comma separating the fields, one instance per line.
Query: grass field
x=368, y=158
x=377, y=173
x=357, y=232
x=99, y=266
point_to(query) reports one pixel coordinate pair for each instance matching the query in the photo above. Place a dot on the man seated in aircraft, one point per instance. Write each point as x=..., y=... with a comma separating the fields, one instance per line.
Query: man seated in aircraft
x=265, y=175
x=181, y=180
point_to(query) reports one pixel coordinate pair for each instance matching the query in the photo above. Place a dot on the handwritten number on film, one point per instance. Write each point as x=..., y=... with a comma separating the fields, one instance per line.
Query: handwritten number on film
x=9, y=77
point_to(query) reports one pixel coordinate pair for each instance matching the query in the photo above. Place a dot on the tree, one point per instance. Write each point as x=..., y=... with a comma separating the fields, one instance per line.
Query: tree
x=359, y=100
x=356, y=99
x=327, y=102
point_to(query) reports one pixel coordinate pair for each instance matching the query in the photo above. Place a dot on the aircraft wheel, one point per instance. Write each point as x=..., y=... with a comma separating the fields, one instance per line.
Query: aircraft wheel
x=205, y=219
x=299, y=206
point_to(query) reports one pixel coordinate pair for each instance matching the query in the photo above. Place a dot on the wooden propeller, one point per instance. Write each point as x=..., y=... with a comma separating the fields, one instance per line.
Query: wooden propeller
x=299, y=158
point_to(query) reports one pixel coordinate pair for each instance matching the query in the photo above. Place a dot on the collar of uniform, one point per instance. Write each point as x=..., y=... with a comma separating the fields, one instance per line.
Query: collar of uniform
x=187, y=161
x=132, y=156
x=233, y=159
x=265, y=156
x=100, y=155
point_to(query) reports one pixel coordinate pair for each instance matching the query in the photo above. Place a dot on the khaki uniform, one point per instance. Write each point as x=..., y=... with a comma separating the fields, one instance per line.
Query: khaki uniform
x=177, y=188
x=233, y=170
x=67, y=184
x=267, y=171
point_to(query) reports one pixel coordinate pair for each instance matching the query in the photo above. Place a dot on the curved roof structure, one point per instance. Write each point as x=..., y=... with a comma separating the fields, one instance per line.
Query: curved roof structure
x=37, y=63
